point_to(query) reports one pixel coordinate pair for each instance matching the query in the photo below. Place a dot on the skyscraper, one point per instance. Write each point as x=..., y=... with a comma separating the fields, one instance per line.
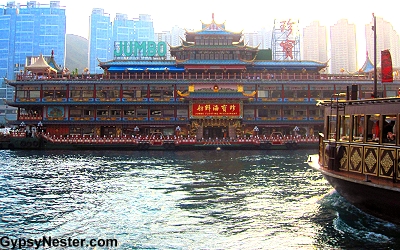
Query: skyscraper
x=386, y=38
x=315, y=43
x=261, y=38
x=144, y=30
x=103, y=34
x=173, y=37
x=99, y=39
x=29, y=30
x=343, y=47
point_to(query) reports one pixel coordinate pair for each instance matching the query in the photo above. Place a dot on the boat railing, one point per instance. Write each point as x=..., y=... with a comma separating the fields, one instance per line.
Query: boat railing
x=171, y=139
x=196, y=76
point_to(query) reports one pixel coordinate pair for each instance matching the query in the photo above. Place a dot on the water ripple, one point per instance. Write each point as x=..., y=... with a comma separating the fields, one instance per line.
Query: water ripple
x=181, y=200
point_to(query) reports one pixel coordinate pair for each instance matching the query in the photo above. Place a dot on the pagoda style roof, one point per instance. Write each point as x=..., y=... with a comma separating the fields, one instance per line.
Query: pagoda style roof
x=53, y=63
x=137, y=66
x=310, y=66
x=213, y=28
x=367, y=67
x=40, y=66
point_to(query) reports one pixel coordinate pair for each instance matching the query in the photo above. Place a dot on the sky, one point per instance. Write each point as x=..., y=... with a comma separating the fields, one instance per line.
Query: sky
x=246, y=16
x=237, y=15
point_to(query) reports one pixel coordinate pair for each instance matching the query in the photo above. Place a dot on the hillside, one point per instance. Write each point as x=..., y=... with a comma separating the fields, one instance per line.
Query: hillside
x=77, y=49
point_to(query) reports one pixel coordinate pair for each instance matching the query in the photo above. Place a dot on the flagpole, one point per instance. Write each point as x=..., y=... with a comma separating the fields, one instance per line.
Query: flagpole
x=375, y=73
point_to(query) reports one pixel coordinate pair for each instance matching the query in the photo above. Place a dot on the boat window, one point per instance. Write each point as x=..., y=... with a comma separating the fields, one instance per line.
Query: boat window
x=344, y=128
x=358, y=128
x=389, y=128
x=373, y=128
x=332, y=127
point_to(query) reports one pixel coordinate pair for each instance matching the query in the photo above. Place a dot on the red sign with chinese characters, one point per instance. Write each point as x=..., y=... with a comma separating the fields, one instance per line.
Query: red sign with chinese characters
x=216, y=109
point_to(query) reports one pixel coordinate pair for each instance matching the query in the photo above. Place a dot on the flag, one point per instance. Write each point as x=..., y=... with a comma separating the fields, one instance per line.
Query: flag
x=386, y=66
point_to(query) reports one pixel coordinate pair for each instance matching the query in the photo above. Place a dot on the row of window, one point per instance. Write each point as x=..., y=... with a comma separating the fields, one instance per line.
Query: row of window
x=143, y=91
x=133, y=111
x=375, y=128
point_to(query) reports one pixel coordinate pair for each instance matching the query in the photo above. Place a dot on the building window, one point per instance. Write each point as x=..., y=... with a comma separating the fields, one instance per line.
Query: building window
x=263, y=113
x=142, y=112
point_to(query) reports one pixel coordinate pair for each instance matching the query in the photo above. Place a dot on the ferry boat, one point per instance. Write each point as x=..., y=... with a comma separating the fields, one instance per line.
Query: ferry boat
x=359, y=154
x=359, y=149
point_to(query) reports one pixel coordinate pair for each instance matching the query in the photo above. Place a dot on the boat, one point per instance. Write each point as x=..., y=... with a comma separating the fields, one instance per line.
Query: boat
x=359, y=151
x=213, y=91
x=154, y=141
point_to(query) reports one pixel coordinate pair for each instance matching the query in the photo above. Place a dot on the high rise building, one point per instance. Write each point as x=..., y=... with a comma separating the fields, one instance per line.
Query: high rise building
x=261, y=38
x=26, y=31
x=144, y=30
x=103, y=34
x=343, y=47
x=30, y=30
x=99, y=39
x=386, y=38
x=172, y=38
x=315, y=43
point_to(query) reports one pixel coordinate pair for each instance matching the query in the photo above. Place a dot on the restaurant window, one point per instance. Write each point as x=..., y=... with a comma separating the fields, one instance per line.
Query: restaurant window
x=115, y=112
x=287, y=112
x=262, y=93
x=276, y=93
x=102, y=112
x=312, y=112
x=181, y=113
x=75, y=112
x=22, y=94
x=274, y=112
x=262, y=112
x=169, y=113
x=107, y=92
x=155, y=112
x=142, y=112
x=301, y=112
x=34, y=94
x=129, y=111
x=87, y=111
x=248, y=113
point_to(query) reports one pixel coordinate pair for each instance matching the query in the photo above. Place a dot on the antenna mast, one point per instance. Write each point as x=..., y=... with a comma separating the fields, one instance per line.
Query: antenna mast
x=375, y=73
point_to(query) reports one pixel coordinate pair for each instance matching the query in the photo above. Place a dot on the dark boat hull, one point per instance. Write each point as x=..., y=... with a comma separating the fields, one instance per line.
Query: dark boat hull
x=379, y=201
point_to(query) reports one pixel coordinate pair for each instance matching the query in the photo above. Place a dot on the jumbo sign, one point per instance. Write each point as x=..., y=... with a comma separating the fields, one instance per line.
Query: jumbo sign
x=135, y=49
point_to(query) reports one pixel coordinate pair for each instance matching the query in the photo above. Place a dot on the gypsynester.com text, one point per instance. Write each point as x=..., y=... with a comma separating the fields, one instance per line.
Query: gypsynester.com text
x=7, y=242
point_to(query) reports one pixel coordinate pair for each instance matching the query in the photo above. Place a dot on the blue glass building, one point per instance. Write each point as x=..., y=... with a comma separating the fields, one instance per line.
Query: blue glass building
x=103, y=34
x=26, y=31
x=99, y=39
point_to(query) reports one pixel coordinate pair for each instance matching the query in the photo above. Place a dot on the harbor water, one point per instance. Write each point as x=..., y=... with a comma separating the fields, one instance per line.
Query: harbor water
x=227, y=199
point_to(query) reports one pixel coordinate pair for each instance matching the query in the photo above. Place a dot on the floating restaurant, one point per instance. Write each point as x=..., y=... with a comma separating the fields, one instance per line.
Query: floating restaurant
x=217, y=88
